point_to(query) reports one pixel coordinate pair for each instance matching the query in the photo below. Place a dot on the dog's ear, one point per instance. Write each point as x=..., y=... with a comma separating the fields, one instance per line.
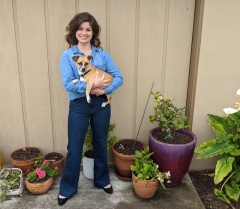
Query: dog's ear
x=75, y=58
x=89, y=57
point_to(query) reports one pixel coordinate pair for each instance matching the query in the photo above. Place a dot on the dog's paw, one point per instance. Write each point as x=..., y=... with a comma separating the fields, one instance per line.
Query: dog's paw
x=75, y=81
x=103, y=104
x=88, y=99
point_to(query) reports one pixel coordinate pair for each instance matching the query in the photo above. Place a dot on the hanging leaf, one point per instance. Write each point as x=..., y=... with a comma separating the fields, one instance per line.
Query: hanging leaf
x=223, y=167
x=233, y=192
x=222, y=197
x=237, y=174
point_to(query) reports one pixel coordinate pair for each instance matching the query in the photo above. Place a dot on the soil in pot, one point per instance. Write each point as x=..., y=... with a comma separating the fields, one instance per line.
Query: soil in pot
x=27, y=153
x=24, y=158
x=54, y=156
x=178, y=138
x=128, y=147
x=56, y=160
x=89, y=154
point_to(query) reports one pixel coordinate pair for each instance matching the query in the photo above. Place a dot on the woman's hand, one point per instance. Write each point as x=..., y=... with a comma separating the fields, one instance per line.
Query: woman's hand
x=99, y=82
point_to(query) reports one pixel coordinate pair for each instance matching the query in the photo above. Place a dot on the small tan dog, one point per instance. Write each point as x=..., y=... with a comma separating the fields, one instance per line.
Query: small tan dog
x=88, y=73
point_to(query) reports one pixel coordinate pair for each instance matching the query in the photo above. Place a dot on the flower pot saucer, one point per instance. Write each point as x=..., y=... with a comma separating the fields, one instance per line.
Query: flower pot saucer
x=122, y=178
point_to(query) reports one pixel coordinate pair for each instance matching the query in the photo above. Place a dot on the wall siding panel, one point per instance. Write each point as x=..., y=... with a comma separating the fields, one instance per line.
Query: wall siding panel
x=58, y=15
x=150, y=60
x=98, y=8
x=180, y=26
x=122, y=49
x=12, y=134
x=35, y=73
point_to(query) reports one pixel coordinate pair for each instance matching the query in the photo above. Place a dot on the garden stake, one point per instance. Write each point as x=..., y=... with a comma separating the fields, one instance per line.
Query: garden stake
x=143, y=114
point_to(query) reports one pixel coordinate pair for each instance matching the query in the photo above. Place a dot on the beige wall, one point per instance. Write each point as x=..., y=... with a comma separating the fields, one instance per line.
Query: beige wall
x=150, y=40
x=219, y=68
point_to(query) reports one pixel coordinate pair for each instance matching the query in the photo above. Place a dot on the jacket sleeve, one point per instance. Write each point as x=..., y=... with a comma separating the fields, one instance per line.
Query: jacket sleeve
x=114, y=71
x=67, y=73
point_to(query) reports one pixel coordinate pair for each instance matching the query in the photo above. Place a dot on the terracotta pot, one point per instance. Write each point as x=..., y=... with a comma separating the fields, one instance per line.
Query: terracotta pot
x=39, y=188
x=56, y=164
x=124, y=162
x=26, y=165
x=145, y=188
x=175, y=158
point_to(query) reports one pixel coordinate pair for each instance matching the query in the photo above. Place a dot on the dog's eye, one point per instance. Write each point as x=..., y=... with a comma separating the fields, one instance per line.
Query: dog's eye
x=80, y=63
x=86, y=64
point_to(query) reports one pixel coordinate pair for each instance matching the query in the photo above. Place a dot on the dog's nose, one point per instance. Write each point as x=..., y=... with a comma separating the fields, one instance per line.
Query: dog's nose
x=83, y=69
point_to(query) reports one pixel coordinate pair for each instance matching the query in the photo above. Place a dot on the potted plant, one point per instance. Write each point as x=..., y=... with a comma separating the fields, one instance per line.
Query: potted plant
x=24, y=158
x=146, y=176
x=11, y=183
x=173, y=146
x=40, y=179
x=88, y=152
x=57, y=161
x=123, y=155
x=226, y=146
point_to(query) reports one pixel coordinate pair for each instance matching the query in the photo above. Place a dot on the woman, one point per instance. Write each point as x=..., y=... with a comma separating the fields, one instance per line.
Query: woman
x=83, y=38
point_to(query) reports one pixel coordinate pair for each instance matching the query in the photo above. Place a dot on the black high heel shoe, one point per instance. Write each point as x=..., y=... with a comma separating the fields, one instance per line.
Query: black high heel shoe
x=62, y=201
x=108, y=190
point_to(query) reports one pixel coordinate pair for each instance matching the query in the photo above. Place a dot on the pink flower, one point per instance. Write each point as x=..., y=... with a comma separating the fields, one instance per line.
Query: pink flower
x=44, y=162
x=38, y=170
x=41, y=174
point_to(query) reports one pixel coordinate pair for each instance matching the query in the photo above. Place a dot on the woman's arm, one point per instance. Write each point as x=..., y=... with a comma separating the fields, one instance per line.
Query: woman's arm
x=68, y=76
x=114, y=71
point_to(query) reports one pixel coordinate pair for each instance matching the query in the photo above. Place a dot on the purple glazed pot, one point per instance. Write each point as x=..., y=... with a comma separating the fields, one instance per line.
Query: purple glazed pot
x=175, y=158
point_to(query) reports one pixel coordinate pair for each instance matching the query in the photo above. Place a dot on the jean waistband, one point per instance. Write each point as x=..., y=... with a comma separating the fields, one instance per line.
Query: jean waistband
x=91, y=95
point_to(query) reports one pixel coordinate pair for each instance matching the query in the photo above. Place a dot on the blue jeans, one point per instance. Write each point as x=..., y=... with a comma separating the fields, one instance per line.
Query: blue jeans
x=80, y=113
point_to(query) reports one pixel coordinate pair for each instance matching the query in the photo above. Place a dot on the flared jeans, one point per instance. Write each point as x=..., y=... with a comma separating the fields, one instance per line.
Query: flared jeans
x=80, y=114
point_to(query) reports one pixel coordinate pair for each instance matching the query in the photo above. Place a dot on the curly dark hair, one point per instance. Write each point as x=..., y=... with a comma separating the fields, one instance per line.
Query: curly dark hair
x=74, y=24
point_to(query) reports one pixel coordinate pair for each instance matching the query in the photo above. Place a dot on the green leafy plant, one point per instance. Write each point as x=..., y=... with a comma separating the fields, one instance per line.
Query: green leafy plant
x=146, y=169
x=9, y=179
x=42, y=171
x=226, y=145
x=88, y=146
x=168, y=117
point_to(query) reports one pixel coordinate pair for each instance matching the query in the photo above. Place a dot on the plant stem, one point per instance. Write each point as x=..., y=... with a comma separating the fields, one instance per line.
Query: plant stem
x=227, y=180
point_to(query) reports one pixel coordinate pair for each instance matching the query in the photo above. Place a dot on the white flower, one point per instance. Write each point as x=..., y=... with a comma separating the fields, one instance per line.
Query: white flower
x=230, y=110
x=237, y=105
x=238, y=92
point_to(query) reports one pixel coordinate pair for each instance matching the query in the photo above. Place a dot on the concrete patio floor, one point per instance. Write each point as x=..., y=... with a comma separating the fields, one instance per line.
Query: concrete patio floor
x=183, y=196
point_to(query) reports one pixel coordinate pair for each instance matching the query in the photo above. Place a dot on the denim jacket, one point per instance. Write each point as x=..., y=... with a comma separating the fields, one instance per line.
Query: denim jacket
x=101, y=59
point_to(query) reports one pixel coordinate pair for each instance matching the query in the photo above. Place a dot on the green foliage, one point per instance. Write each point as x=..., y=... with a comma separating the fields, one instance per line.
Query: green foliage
x=88, y=138
x=9, y=179
x=146, y=169
x=42, y=171
x=168, y=117
x=226, y=146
